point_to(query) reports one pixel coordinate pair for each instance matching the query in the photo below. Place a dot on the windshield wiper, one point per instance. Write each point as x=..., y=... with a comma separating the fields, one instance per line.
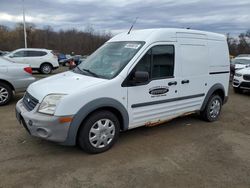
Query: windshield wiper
x=92, y=73
x=74, y=70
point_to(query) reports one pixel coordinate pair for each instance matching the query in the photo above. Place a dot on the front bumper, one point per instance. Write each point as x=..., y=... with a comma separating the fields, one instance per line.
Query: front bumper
x=242, y=84
x=42, y=125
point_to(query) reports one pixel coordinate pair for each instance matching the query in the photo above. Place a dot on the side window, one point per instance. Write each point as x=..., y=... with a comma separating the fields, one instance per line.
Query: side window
x=144, y=64
x=162, y=61
x=35, y=53
x=19, y=54
x=158, y=62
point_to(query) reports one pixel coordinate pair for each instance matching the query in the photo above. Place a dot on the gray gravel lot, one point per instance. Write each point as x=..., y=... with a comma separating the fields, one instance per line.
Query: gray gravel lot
x=185, y=152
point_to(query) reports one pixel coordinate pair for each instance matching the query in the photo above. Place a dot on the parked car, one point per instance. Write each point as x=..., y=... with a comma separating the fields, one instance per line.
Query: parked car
x=239, y=63
x=14, y=77
x=241, y=80
x=42, y=60
x=143, y=78
x=61, y=57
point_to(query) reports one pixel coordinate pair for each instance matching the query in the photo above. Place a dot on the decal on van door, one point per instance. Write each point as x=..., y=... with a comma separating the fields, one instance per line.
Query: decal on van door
x=158, y=91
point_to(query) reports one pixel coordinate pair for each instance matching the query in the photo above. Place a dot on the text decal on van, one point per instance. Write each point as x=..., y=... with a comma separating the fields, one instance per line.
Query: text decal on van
x=158, y=91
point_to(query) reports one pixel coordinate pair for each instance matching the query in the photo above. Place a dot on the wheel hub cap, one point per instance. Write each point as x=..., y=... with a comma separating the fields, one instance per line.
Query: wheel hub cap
x=102, y=133
x=215, y=108
x=3, y=95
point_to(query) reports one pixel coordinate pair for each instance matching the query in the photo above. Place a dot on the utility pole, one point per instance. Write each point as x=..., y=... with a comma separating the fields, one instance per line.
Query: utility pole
x=24, y=28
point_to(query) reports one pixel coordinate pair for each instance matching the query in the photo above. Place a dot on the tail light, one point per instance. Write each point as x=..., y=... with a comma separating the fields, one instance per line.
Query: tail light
x=28, y=70
x=54, y=54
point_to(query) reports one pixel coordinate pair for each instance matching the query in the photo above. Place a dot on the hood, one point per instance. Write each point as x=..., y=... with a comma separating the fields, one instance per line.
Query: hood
x=240, y=66
x=244, y=71
x=65, y=83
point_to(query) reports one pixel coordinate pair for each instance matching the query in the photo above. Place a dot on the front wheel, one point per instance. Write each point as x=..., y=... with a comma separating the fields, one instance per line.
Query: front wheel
x=5, y=94
x=213, y=109
x=99, y=132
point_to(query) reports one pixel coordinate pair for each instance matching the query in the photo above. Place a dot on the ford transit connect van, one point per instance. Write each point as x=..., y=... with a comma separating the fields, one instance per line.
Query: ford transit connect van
x=143, y=78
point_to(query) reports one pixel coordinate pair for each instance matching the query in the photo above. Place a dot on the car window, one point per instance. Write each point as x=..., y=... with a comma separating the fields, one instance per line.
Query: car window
x=241, y=61
x=158, y=62
x=19, y=54
x=163, y=61
x=31, y=53
x=144, y=63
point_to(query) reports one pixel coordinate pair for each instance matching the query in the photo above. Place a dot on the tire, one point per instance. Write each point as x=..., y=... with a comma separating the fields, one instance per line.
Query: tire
x=6, y=94
x=212, y=109
x=46, y=68
x=238, y=90
x=94, y=137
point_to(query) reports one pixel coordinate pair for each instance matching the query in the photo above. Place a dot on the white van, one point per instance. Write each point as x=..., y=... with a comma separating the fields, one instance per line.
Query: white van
x=139, y=79
x=42, y=60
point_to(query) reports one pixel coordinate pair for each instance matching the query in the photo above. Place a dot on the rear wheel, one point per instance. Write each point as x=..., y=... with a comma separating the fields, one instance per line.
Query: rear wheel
x=99, y=132
x=212, y=109
x=46, y=68
x=5, y=93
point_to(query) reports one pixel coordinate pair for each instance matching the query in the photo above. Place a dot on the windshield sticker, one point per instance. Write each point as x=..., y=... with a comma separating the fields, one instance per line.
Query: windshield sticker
x=133, y=46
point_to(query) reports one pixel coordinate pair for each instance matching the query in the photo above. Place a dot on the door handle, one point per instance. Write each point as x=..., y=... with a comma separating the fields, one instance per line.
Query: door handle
x=172, y=83
x=185, y=81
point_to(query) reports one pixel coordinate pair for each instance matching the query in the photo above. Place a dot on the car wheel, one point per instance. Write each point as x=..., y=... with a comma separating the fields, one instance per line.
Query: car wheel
x=5, y=94
x=46, y=68
x=213, y=109
x=238, y=90
x=99, y=132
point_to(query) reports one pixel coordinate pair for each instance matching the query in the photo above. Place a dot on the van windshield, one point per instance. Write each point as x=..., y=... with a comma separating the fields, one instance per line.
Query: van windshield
x=109, y=60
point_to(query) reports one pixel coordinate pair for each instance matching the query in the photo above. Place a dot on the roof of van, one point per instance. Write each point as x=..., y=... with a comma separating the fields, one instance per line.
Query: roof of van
x=166, y=34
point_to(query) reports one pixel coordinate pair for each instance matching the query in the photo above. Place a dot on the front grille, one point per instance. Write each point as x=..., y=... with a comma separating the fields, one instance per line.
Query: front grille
x=245, y=84
x=29, y=101
x=246, y=77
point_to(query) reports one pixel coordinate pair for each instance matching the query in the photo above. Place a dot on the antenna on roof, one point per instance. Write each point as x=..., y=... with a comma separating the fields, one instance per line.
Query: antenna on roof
x=132, y=25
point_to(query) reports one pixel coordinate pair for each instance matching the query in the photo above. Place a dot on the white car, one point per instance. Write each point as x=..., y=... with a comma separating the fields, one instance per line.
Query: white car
x=141, y=78
x=240, y=63
x=14, y=77
x=42, y=60
x=241, y=80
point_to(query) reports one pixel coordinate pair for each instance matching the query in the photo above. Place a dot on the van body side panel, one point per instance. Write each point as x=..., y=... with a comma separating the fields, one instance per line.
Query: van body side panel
x=194, y=62
x=219, y=67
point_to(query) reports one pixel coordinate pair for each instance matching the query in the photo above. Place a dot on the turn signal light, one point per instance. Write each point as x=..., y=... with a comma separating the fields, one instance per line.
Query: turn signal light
x=65, y=119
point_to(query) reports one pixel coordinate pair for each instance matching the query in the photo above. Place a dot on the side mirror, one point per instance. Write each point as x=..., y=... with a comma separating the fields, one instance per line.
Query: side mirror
x=141, y=77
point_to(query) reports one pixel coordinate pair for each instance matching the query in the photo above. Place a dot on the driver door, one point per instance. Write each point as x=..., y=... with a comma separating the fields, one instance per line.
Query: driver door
x=151, y=102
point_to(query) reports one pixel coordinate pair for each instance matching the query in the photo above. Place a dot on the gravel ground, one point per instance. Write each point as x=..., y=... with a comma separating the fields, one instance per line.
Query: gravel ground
x=186, y=152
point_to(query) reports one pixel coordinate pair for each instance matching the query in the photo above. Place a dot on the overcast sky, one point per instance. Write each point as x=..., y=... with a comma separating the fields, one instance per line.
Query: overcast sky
x=222, y=16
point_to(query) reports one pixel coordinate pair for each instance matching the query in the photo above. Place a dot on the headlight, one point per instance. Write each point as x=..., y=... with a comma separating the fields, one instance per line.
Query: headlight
x=237, y=74
x=49, y=103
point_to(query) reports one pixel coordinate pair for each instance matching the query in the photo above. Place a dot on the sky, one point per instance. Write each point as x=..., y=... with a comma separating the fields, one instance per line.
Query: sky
x=222, y=16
